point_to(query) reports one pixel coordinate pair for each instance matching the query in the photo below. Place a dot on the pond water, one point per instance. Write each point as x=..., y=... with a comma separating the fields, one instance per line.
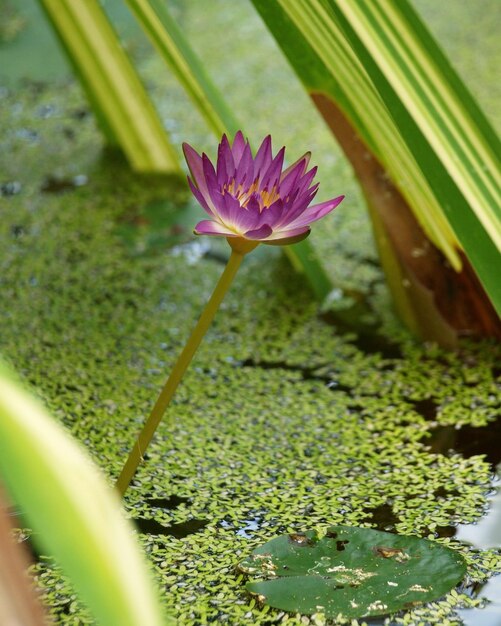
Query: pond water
x=291, y=417
x=486, y=533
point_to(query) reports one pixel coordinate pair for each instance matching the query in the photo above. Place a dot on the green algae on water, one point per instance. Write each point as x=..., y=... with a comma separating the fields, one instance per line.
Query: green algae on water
x=329, y=434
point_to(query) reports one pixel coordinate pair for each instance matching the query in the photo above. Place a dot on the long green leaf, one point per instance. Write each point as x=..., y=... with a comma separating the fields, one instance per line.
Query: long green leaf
x=313, y=35
x=173, y=47
x=319, y=52
x=184, y=63
x=459, y=157
x=115, y=90
x=427, y=86
x=75, y=515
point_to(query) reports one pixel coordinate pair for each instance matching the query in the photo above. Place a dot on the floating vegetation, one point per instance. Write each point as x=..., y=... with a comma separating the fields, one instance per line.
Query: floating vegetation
x=329, y=425
x=350, y=572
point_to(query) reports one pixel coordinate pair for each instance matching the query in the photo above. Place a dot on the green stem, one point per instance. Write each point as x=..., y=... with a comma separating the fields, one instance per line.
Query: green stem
x=184, y=359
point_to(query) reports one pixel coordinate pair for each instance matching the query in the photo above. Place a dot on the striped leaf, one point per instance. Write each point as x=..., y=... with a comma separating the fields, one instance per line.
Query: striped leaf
x=453, y=144
x=171, y=44
x=376, y=60
x=115, y=91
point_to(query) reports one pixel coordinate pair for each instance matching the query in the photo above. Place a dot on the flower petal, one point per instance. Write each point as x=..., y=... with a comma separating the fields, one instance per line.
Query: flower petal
x=211, y=183
x=253, y=205
x=194, y=161
x=306, y=158
x=240, y=218
x=225, y=163
x=306, y=180
x=200, y=198
x=297, y=206
x=289, y=181
x=263, y=159
x=304, y=198
x=209, y=227
x=272, y=174
x=237, y=148
x=259, y=233
x=286, y=238
x=315, y=212
x=233, y=210
x=245, y=169
x=273, y=214
x=195, y=165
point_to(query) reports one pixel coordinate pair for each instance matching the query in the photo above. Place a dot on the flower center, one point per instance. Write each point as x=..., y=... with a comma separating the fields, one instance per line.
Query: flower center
x=264, y=197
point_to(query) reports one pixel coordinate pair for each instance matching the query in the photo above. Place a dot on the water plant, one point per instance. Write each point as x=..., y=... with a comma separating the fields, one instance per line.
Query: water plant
x=294, y=483
x=350, y=572
x=125, y=114
x=425, y=155
x=421, y=147
x=250, y=200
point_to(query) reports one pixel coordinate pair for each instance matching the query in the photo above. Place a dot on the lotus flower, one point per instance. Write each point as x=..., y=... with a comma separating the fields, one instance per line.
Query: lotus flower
x=254, y=198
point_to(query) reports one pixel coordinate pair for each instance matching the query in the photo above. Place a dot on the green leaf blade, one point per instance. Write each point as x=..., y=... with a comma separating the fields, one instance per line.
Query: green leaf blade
x=167, y=37
x=463, y=183
x=378, y=63
x=75, y=515
x=115, y=90
x=319, y=52
x=425, y=91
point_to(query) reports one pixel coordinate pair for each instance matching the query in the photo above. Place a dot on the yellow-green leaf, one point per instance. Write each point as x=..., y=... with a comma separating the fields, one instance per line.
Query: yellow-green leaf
x=76, y=517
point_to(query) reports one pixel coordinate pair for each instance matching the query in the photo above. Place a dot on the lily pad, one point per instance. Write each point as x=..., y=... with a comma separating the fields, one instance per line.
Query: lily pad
x=351, y=572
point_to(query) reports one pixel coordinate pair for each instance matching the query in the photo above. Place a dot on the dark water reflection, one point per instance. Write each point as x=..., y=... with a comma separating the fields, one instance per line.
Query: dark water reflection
x=485, y=534
x=468, y=440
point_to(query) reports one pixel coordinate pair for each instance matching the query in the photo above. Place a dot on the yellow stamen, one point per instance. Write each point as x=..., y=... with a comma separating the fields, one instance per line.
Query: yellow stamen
x=267, y=198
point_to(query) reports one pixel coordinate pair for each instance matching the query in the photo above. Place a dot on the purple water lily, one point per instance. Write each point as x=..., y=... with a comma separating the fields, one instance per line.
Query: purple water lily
x=249, y=200
x=252, y=197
